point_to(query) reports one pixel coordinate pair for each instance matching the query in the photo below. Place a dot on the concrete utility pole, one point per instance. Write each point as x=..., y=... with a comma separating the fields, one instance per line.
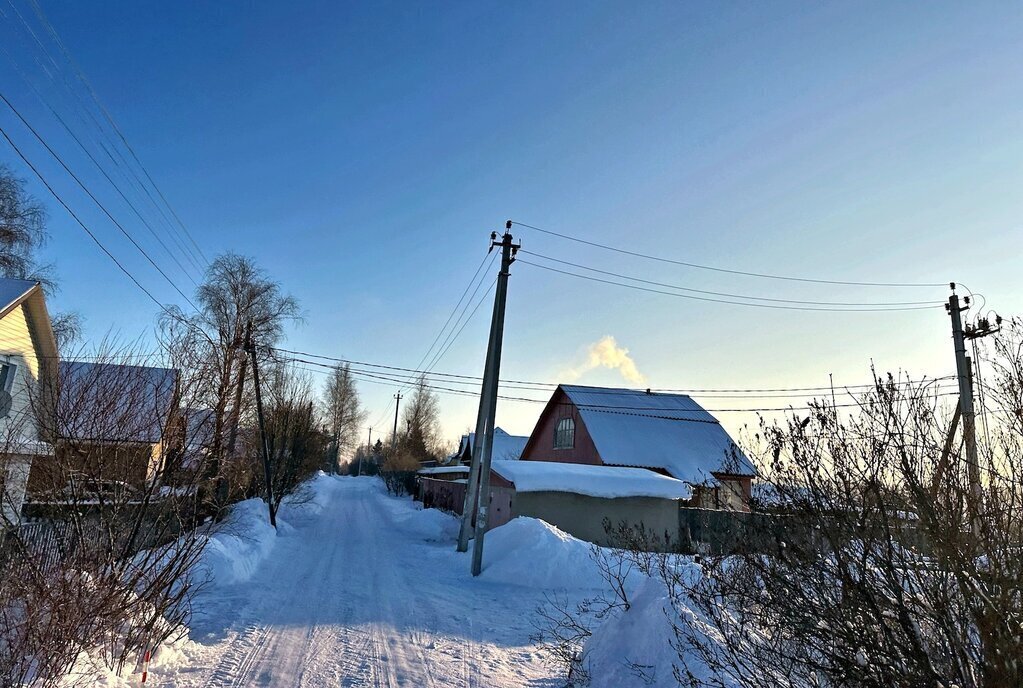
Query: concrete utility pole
x=508, y=251
x=250, y=347
x=394, y=434
x=964, y=372
x=472, y=485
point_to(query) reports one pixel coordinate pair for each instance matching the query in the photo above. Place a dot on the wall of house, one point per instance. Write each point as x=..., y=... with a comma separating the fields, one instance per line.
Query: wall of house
x=583, y=516
x=541, y=443
x=17, y=347
x=126, y=462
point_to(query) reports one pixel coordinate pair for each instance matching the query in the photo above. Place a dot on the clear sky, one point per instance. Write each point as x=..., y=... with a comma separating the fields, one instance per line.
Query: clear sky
x=362, y=153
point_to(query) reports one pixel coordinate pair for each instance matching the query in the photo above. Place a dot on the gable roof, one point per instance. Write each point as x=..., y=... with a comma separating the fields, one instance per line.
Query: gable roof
x=13, y=292
x=111, y=402
x=506, y=447
x=670, y=432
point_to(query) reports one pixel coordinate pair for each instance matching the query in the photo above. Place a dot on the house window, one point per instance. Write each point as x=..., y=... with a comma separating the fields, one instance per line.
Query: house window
x=564, y=434
x=7, y=374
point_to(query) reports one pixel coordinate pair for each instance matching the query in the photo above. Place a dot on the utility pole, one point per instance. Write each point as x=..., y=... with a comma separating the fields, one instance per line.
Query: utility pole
x=394, y=434
x=472, y=485
x=964, y=373
x=508, y=251
x=369, y=447
x=250, y=347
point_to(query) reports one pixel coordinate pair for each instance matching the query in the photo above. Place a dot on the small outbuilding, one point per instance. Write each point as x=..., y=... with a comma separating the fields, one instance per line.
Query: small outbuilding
x=581, y=499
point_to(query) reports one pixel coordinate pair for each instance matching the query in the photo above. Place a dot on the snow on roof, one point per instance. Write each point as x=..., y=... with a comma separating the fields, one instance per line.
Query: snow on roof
x=656, y=430
x=11, y=290
x=595, y=481
x=111, y=402
x=434, y=470
x=506, y=447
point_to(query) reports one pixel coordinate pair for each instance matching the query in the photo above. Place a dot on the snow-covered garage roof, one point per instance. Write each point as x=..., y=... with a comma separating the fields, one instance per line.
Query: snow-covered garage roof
x=655, y=430
x=595, y=481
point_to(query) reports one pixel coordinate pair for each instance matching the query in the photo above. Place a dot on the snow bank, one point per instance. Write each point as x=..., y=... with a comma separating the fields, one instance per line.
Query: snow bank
x=609, y=482
x=634, y=647
x=239, y=544
x=531, y=552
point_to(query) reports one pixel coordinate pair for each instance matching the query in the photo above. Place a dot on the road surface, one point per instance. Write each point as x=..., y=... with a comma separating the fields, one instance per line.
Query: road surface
x=361, y=594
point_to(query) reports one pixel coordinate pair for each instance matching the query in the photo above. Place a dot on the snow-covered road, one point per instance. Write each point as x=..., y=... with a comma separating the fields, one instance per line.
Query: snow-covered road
x=366, y=592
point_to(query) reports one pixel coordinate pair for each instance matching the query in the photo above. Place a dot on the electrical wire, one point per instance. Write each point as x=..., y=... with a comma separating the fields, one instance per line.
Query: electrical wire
x=80, y=75
x=734, y=303
x=729, y=295
x=727, y=270
x=89, y=193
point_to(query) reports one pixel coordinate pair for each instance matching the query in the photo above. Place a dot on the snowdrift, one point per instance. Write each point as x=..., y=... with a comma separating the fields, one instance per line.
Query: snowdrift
x=246, y=537
x=531, y=552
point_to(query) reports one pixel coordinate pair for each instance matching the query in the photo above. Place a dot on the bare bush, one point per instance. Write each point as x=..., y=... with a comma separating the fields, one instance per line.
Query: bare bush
x=106, y=567
x=908, y=578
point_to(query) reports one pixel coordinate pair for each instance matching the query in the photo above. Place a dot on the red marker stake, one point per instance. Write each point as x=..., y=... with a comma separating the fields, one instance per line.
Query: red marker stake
x=145, y=666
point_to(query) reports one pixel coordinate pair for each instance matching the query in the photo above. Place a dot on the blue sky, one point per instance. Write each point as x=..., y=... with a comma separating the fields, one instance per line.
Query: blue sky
x=362, y=153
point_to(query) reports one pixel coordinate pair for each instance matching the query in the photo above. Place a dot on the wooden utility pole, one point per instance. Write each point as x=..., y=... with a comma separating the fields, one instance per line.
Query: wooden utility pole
x=508, y=250
x=250, y=347
x=394, y=434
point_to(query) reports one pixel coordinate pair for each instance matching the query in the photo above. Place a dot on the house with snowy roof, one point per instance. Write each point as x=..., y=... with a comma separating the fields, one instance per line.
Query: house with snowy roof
x=669, y=434
x=112, y=423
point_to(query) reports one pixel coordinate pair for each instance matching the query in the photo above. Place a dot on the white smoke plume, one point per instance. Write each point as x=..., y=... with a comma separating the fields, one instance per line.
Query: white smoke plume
x=605, y=353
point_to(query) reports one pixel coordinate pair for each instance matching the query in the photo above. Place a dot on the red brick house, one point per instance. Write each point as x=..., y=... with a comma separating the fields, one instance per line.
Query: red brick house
x=667, y=433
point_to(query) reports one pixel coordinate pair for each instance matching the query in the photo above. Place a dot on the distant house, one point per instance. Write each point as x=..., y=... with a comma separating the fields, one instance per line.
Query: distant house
x=28, y=355
x=113, y=423
x=670, y=434
x=506, y=447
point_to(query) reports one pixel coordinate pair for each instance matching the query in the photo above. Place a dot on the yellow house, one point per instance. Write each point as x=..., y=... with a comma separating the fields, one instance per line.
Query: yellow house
x=28, y=356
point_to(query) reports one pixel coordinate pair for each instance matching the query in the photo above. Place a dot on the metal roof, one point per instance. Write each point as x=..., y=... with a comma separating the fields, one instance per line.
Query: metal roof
x=111, y=402
x=671, y=432
x=11, y=290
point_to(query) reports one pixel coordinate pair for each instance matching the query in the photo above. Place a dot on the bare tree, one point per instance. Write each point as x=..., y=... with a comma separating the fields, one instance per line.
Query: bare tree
x=343, y=413
x=297, y=446
x=22, y=228
x=235, y=294
x=419, y=437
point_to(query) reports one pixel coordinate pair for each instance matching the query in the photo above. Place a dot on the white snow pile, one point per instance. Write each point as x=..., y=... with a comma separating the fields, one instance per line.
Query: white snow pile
x=246, y=537
x=609, y=482
x=432, y=525
x=530, y=552
x=242, y=541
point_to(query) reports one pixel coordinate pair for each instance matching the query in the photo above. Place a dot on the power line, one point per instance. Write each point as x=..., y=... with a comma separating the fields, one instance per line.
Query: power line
x=729, y=295
x=80, y=74
x=472, y=313
x=489, y=255
x=734, y=303
x=95, y=162
x=92, y=196
x=475, y=379
x=79, y=221
x=727, y=270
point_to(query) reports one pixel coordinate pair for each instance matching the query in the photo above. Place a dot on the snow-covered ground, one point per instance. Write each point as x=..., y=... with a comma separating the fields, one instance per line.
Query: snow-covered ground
x=359, y=588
